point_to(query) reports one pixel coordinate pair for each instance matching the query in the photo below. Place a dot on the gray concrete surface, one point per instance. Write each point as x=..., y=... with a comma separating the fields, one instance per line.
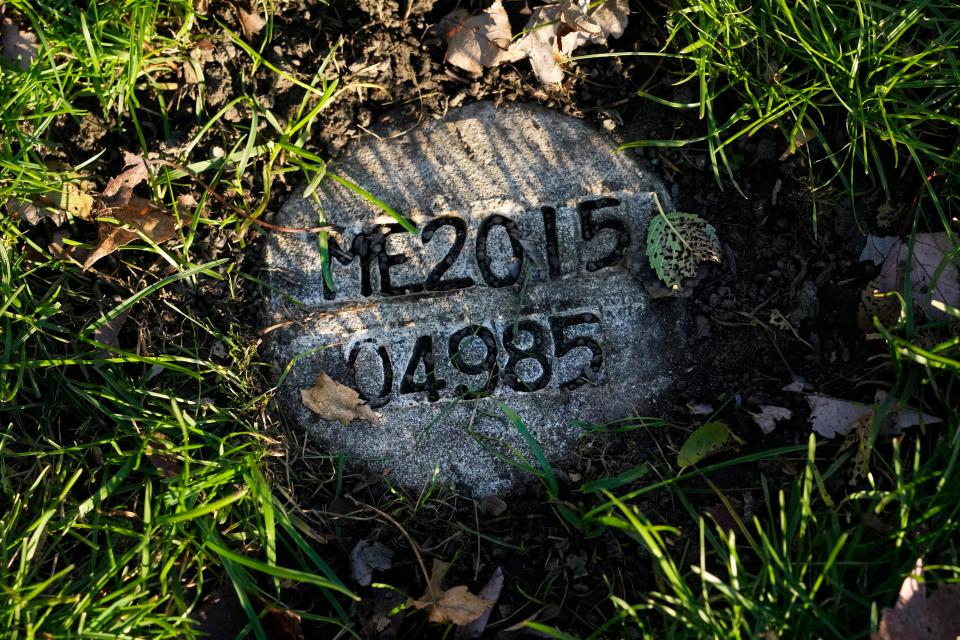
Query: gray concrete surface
x=535, y=310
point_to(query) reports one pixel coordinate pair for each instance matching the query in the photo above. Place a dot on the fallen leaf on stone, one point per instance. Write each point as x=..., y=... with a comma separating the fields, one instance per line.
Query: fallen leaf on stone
x=134, y=214
x=456, y=605
x=706, y=441
x=933, y=277
x=490, y=593
x=768, y=417
x=677, y=243
x=334, y=401
x=480, y=41
x=919, y=615
x=19, y=45
x=367, y=557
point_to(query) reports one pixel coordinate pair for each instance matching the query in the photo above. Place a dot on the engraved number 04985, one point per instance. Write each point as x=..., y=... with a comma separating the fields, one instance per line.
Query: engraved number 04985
x=420, y=374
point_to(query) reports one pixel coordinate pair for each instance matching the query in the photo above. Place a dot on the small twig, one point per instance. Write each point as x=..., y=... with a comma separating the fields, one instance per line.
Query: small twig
x=219, y=198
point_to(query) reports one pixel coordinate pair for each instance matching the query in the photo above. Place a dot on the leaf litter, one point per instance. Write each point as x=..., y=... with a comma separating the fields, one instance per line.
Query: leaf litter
x=831, y=417
x=455, y=605
x=134, y=214
x=934, y=278
x=552, y=33
x=768, y=417
x=480, y=41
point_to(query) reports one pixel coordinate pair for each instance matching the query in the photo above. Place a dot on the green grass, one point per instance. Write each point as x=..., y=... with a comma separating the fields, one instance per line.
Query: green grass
x=871, y=85
x=135, y=482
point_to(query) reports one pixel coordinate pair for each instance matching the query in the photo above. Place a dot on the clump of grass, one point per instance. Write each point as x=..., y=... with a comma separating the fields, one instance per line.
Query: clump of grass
x=133, y=484
x=872, y=86
x=133, y=480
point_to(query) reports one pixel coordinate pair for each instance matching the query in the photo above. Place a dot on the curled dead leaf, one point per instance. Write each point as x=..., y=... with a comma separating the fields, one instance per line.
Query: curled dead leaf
x=333, y=401
x=366, y=557
x=768, y=417
x=934, y=278
x=490, y=593
x=125, y=216
x=480, y=41
x=251, y=22
x=555, y=30
x=456, y=605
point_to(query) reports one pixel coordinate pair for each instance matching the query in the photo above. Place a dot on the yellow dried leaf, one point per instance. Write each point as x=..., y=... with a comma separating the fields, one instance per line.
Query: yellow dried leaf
x=333, y=401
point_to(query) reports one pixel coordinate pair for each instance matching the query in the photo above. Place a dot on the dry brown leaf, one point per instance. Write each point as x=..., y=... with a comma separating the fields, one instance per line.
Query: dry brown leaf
x=456, y=605
x=480, y=41
x=574, y=13
x=609, y=19
x=251, y=22
x=166, y=464
x=491, y=593
x=19, y=45
x=555, y=30
x=333, y=401
x=139, y=214
x=135, y=214
x=918, y=615
x=134, y=172
x=73, y=198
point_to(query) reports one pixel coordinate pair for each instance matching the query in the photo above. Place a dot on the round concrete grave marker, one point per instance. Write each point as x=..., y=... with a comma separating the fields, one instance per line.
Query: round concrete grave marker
x=513, y=293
